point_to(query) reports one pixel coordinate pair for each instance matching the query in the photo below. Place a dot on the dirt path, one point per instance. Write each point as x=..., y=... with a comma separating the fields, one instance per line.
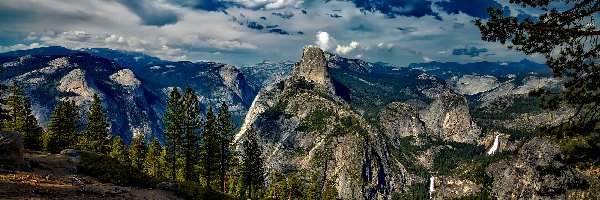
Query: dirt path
x=54, y=177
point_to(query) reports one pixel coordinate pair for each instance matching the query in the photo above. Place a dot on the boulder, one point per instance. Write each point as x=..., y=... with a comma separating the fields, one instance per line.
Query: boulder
x=69, y=152
x=11, y=150
x=167, y=186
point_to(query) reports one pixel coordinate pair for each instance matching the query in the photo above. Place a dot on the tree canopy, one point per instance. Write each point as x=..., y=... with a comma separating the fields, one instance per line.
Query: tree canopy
x=566, y=34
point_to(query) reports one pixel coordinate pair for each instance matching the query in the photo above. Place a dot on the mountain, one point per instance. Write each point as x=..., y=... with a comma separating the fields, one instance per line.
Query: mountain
x=49, y=78
x=132, y=60
x=323, y=122
x=447, y=70
x=266, y=72
x=138, y=104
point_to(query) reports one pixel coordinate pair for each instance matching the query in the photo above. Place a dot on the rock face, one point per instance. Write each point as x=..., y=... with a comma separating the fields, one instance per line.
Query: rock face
x=309, y=130
x=453, y=188
x=448, y=119
x=538, y=172
x=11, y=150
x=313, y=66
x=401, y=120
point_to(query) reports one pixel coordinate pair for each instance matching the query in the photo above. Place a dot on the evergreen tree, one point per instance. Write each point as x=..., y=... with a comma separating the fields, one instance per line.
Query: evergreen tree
x=210, y=148
x=190, y=141
x=252, y=163
x=3, y=112
x=137, y=151
x=96, y=134
x=225, y=129
x=119, y=151
x=163, y=164
x=21, y=120
x=173, y=122
x=61, y=132
x=566, y=34
x=152, y=163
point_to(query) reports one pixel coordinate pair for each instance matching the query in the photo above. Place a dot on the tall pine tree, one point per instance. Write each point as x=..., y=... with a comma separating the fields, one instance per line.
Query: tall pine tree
x=210, y=148
x=152, y=162
x=173, y=122
x=137, y=151
x=225, y=128
x=119, y=151
x=61, y=132
x=192, y=121
x=21, y=120
x=96, y=135
x=164, y=165
x=252, y=163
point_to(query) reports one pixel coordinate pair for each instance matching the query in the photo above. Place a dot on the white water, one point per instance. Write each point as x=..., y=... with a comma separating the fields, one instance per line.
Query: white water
x=494, y=147
x=431, y=186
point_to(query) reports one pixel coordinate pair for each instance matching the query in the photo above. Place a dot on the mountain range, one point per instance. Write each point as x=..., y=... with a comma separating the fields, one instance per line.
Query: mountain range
x=368, y=130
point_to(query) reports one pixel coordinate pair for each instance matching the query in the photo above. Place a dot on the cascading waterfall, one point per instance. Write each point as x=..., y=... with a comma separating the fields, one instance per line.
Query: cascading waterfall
x=494, y=148
x=431, y=186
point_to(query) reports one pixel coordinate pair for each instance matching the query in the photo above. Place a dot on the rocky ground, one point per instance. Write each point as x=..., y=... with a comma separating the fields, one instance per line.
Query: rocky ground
x=54, y=176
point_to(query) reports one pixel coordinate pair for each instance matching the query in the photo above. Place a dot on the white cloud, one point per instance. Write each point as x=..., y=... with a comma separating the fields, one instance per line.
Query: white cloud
x=268, y=4
x=427, y=59
x=20, y=47
x=323, y=40
x=359, y=56
x=346, y=49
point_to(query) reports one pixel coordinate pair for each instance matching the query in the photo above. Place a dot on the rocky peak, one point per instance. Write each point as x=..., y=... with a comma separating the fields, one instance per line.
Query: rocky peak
x=448, y=118
x=313, y=66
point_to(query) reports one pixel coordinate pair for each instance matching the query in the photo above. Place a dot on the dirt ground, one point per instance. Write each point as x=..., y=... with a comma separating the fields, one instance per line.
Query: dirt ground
x=54, y=177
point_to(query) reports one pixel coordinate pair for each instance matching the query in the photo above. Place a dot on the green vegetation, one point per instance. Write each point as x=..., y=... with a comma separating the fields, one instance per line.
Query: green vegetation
x=349, y=125
x=110, y=170
x=274, y=112
x=21, y=119
x=63, y=128
x=507, y=108
x=566, y=39
x=252, y=165
x=118, y=151
x=96, y=133
x=315, y=121
x=137, y=152
x=210, y=149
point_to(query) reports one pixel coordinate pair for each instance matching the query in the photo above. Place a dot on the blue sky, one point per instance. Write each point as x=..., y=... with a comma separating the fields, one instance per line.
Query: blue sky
x=249, y=31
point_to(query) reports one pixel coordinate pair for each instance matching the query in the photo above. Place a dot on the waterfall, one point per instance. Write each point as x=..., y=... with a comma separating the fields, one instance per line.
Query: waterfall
x=494, y=147
x=431, y=187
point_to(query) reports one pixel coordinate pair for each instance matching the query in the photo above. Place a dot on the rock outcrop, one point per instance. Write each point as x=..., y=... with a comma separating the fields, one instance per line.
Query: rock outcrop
x=11, y=150
x=538, y=171
x=400, y=120
x=447, y=118
x=313, y=68
x=305, y=128
x=453, y=188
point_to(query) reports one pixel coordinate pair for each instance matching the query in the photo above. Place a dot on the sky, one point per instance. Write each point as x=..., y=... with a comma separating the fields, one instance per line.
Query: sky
x=249, y=31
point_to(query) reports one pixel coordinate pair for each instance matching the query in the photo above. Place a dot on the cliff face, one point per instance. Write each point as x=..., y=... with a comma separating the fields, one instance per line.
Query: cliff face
x=448, y=119
x=306, y=129
x=539, y=171
x=400, y=120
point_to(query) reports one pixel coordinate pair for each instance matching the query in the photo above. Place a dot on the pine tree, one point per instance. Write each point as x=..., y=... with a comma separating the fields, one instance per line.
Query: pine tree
x=566, y=34
x=3, y=112
x=173, y=122
x=163, y=164
x=137, y=151
x=119, y=151
x=225, y=129
x=190, y=143
x=21, y=120
x=152, y=162
x=96, y=134
x=252, y=163
x=61, y=132
x=210, y=148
